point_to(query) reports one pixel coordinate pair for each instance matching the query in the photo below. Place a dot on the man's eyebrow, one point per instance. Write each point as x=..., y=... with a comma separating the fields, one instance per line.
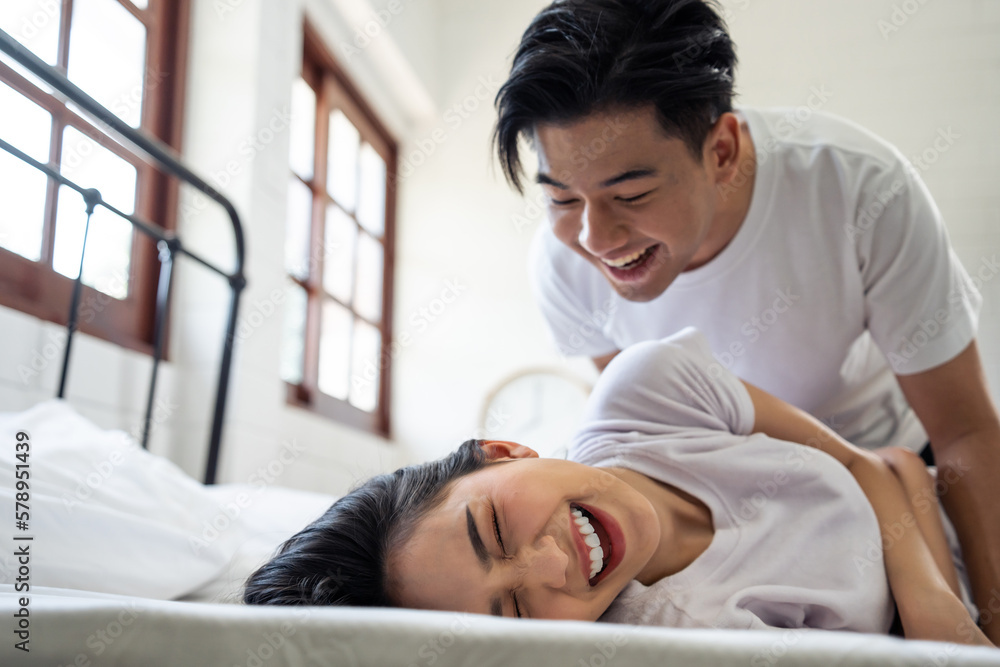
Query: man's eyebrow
x=545, y=179
x=477, y=542
x=630, y=175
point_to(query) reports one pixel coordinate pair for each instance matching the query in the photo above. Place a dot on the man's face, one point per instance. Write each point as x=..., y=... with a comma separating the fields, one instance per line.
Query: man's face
x=508, y=540
x=630, y=200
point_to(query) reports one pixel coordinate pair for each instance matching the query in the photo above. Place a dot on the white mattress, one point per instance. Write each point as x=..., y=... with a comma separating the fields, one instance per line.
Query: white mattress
x=73, y=627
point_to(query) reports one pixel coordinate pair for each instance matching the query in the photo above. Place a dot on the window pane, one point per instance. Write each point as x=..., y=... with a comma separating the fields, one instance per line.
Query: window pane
x=334, y=350
x=338, y=262
x=22, y=187
x=342, y=160
x=22, y=207
x=364, y=380
x=109, y=244
x=91, y=165
x=303, y=129
x=371, y=207
x=141, y=4
x=25, y=125
x=297, y=229
x=368, y=297
x=294, y=339
x=107, y=56
x=34, y=23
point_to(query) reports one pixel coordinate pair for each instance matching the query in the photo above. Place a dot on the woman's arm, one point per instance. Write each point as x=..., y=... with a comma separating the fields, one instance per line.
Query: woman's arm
x=927, y=606
x=918, y=485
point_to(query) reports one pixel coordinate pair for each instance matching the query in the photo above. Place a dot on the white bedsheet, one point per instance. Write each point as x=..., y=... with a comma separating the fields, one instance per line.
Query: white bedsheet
x=73, y=627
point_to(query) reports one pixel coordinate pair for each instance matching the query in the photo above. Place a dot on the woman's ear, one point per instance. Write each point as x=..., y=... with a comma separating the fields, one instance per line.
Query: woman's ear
x=501, y=449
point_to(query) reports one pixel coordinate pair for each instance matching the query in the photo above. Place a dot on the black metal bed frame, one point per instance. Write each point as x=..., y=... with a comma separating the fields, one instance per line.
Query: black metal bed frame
x=168, y=244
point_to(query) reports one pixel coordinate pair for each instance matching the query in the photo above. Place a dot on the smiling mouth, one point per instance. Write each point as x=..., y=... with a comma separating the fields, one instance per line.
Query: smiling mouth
x=596, y=540
x=631, y=266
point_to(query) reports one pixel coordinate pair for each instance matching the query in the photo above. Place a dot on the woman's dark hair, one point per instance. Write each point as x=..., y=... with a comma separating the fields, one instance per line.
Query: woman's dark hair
x=580, y=57
x=341, y=558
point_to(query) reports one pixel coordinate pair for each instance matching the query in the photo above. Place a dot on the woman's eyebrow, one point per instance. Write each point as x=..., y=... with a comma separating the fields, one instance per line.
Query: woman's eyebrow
x=477, y=542
x=496, y=606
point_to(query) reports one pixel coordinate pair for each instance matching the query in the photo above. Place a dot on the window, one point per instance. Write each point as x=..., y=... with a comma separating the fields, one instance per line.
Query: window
x=128, y=55
x=339, y=249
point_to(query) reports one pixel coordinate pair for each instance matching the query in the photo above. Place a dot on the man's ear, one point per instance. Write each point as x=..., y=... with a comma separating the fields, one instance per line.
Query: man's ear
x=722, y=146
x=501, y=449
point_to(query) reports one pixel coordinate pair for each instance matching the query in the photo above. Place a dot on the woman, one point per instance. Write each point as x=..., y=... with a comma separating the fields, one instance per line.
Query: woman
x=685, y=502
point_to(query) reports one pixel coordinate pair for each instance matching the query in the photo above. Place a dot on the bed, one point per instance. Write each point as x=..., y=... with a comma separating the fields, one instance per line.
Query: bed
x=134, y=562
x=124, y=559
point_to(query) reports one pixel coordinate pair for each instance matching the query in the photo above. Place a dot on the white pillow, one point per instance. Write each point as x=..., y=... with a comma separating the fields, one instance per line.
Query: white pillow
x=105, y=514
x=270, y=515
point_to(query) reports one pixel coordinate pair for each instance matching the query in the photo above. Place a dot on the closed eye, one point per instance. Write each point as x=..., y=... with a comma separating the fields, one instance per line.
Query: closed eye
x=634, y=199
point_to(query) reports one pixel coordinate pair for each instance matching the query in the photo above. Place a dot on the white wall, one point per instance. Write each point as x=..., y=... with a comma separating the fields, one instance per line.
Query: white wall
x=459, y=224
x=106, y=384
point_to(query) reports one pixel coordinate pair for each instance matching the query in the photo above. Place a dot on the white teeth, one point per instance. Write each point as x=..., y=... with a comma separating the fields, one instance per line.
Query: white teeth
x=622, y=261
x=591, y=539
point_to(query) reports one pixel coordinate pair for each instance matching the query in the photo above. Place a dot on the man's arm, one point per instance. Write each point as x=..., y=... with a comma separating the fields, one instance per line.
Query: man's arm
x=928, y=607
x=603, y=361
x=953, y=403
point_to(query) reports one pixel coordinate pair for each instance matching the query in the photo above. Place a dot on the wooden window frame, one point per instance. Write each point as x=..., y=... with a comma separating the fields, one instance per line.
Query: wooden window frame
x=35, y=288
x=330, y=83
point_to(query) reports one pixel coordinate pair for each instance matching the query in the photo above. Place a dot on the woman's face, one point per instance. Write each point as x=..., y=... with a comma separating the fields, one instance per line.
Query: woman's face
x=507, y=541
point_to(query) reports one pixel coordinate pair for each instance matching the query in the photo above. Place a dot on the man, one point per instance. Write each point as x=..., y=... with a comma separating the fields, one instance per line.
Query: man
x=807, y=250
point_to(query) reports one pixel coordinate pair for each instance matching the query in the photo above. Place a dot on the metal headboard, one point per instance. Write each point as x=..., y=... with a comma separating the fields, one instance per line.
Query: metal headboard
x=169, y=245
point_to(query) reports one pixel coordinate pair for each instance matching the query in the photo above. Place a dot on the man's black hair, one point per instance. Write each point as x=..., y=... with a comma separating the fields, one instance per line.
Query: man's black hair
x=580, y=57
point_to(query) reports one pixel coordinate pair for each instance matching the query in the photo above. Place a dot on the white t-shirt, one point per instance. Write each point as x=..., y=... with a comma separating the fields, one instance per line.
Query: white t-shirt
x=796, y=541
x=842, y=261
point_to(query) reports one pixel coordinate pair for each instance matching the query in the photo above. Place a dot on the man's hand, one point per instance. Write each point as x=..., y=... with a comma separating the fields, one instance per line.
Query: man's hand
x=954, y=405
x=603, y=361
